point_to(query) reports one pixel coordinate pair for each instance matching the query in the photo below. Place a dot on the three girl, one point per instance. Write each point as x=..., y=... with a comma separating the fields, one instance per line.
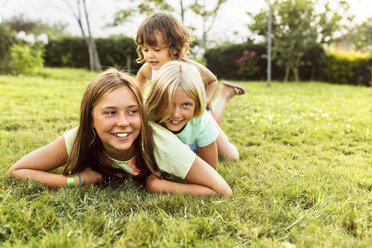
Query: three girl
x=115, y=139
x=160, y=39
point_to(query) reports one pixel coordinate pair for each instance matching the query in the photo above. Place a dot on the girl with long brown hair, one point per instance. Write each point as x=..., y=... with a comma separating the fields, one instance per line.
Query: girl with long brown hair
x=114, y=139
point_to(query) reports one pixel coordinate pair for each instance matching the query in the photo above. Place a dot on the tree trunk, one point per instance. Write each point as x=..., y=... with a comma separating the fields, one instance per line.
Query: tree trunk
x=96, y=65
x=287, y=70
x=182, y=12
x=295, y=74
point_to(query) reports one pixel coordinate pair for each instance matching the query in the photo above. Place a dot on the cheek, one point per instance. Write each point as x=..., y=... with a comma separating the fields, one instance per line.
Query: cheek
x=192, y=113
x=137, y=123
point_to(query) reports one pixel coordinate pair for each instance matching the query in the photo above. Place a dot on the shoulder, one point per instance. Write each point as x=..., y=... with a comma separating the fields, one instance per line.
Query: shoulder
x=204, y=71
x=69, y=138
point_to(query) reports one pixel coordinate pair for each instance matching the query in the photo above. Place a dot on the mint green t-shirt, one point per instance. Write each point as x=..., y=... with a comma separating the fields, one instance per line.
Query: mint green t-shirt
x=171, y=155
x=200, y=130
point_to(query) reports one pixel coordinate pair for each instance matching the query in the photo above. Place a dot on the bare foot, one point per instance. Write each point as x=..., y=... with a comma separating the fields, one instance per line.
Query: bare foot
x=228, y=90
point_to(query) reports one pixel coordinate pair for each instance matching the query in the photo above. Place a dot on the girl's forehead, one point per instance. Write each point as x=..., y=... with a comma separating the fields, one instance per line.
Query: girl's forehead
x=154, y=39
x=122, y=95
x=159, y=36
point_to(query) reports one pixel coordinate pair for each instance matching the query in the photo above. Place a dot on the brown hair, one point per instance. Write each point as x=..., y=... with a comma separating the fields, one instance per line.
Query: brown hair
x=87, y=149
x=174, y=34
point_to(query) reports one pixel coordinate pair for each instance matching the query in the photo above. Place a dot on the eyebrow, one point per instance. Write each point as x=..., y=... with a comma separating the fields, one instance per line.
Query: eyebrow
x=115, y=107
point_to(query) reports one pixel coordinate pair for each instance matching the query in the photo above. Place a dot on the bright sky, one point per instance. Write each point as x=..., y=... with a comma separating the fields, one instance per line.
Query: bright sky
x=232, y=17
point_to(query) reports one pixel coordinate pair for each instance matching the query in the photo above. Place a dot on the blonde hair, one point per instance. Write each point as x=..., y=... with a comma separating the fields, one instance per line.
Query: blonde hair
x=174, y=35
x=172, y=75
x=87, y=148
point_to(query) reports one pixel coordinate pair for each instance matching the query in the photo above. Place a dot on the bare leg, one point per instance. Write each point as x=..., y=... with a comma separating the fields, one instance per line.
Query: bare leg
x=225, y=148
x=219, y=104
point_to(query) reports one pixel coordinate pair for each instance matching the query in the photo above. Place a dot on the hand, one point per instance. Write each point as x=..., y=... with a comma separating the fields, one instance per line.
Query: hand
x=89, y=176
x=151, y=182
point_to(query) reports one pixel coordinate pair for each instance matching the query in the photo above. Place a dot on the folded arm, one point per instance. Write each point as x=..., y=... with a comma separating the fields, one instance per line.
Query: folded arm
x=36, y=165
x=202, y=178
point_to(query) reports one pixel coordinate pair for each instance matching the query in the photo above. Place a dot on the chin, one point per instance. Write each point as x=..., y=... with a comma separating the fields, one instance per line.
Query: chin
x=173, y=128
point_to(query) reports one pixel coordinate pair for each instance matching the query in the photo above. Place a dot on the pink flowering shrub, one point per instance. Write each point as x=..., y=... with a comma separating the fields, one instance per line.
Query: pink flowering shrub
x=247, y=63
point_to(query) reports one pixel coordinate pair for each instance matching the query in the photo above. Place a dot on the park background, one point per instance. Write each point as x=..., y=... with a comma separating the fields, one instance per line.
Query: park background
x=304, y=178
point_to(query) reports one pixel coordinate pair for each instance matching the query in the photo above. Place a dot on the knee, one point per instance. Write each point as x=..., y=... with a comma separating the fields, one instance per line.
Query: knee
x=233, y=156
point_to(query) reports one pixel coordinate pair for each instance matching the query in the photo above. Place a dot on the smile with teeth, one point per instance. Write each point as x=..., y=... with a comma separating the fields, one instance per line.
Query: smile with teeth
x=175, y=123
x=121, y=135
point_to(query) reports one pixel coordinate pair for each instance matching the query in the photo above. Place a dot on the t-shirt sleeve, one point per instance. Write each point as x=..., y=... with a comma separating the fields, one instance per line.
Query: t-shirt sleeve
x=208, y=130
x=70, y=136
x=172, y=156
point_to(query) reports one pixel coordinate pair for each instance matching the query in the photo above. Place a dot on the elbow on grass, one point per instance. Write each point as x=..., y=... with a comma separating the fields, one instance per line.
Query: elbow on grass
x=10, y=172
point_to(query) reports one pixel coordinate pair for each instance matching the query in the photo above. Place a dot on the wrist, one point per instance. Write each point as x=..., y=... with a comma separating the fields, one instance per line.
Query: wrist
x=74, y=180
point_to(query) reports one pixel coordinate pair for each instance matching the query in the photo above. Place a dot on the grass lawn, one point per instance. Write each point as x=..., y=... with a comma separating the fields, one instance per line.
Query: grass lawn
x=304, y=178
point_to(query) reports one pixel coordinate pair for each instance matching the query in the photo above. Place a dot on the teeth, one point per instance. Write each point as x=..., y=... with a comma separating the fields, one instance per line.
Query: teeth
x=122, y=135
x=175, y=122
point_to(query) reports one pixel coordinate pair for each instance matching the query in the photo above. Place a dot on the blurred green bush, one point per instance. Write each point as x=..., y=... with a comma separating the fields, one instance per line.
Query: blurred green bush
x=26, y=59
x=7, y=38
x=347, y=68
x=232, y=62
x=117, y=51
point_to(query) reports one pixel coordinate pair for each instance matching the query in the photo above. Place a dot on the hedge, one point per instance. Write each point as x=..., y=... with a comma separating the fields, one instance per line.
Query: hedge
x=73, y=52
x=347, y=68
x=233, y=62
x=7, y=38
x=341, y=68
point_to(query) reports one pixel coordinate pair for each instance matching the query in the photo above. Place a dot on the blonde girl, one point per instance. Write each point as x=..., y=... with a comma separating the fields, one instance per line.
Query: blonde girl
x=115, y=139
x=176, y=100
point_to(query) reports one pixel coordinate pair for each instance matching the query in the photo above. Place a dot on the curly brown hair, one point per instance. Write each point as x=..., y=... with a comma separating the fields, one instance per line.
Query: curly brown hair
x=174, y=35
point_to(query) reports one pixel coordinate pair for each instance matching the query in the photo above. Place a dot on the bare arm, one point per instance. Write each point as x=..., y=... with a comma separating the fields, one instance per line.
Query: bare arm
x=143, y=76
x=202, y=178
x=210, y=81
x=209, y=154
x=36, y=165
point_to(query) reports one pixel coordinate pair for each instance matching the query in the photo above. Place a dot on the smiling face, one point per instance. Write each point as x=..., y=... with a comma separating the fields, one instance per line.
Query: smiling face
x=117, y=121
x=157, y=55
x=183, y=111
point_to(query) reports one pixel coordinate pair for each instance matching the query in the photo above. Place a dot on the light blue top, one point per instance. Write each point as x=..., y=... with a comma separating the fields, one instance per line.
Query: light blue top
x=202, y=131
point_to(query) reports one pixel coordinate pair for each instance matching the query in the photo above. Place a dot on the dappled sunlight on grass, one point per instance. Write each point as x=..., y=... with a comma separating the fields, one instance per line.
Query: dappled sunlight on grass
x=304, y=178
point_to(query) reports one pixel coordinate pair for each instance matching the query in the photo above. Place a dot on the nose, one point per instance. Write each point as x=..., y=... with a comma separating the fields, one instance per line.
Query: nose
x=122, y=121
x=150, y=53
x=176, y=113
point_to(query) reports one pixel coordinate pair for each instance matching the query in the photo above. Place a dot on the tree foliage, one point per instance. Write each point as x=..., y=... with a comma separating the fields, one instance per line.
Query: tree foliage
x=360, y=36
x=21, y=23
x=142, y=7
x=297, y=26
x=199, y=8
x=208, y=17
